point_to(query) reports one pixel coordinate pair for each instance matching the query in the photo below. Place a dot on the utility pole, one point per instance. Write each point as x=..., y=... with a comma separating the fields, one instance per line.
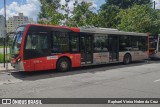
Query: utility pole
x=4, y=39
x=154, y=5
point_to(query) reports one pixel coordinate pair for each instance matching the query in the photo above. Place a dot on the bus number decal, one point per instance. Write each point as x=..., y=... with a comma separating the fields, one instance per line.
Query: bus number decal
x=52, y=57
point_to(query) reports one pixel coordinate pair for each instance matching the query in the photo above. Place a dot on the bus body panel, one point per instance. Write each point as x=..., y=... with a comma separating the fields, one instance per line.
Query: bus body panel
x=49, y=62
x=18, y=65
x=135, y=55
x=102, y=57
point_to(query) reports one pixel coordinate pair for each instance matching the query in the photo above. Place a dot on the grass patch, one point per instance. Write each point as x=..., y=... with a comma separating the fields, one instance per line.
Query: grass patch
x=5, y=47
x=2, y=58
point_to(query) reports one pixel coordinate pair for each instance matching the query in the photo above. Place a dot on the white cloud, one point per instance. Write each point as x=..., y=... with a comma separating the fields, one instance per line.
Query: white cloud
x=71, y=6
x=31, y=9
x=79, y=1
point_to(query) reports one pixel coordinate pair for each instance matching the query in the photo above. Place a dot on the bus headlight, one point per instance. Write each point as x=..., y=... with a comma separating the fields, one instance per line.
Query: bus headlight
x=19, y=59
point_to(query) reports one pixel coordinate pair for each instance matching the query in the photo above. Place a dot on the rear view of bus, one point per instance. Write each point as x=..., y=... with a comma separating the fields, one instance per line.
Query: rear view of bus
x=154, y=50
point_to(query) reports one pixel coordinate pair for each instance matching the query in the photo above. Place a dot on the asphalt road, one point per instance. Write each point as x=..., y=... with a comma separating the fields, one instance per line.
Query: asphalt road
x=137, y=80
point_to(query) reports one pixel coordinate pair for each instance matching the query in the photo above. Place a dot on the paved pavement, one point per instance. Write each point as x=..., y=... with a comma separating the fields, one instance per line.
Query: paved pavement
x=136, y=80
x=2, y=69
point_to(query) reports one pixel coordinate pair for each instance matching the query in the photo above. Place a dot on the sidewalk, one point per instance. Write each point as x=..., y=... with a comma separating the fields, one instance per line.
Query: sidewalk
x=2, y=69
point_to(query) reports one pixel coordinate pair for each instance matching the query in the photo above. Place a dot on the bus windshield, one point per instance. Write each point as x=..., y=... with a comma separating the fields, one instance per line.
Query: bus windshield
x=17, y=41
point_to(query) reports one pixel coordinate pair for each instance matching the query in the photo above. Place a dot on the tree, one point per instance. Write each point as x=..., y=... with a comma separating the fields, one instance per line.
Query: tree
x=107, y=18
x=82, y=15
x=54, y=13
x=140, y=18
x=50, y=11
x=123, y=4
x=109, y=10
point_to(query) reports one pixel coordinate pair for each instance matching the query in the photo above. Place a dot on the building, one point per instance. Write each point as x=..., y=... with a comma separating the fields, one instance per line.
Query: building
x=2, y=26
x=10, y=24
x=15, y=21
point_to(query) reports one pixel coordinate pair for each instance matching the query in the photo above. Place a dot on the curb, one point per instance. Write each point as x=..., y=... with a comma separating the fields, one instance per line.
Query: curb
x=2, y=71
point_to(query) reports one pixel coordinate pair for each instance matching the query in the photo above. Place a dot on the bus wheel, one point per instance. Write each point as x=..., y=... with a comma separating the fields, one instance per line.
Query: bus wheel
x=127, y=59
x=63, y=65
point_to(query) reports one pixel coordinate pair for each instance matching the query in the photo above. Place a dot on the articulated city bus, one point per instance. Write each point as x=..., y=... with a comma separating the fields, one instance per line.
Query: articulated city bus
x=44, y=47
x=154, y=50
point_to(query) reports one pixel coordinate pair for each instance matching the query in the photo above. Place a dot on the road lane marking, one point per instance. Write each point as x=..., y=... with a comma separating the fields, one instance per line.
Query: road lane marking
x=157, y=80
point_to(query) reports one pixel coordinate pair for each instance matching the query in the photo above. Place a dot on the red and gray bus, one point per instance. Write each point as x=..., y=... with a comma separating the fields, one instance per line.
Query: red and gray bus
x=45, y=47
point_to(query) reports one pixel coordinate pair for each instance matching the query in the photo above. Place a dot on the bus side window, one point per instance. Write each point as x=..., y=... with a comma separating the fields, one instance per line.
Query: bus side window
x=100, y=43
x=60, y=42
x=135, y=43
x=74, y=42
x=37, y=45
x=37, y=41
x=124, y=43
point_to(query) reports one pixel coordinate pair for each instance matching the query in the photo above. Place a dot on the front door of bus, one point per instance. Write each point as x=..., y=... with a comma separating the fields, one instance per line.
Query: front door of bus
x=113, y=48
x=86, y=48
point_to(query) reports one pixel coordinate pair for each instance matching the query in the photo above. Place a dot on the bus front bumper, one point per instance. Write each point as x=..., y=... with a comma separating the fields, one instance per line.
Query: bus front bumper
x=17, y=65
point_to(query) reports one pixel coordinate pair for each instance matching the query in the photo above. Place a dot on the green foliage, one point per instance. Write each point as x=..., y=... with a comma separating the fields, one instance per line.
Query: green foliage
x=127, y=15
x=124, y=4
x=49, y=10
x=1, y=58
x=139, y=18
x=107, y=17
x=110, y=9
x=42, y=14
x=82, y=15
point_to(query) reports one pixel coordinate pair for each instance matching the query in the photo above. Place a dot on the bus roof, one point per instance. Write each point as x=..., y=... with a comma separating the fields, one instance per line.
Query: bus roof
x=93, y=30
x=74, y=29
x=110, y=31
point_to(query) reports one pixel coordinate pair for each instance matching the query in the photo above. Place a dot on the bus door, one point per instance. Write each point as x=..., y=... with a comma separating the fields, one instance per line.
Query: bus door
x=113, y=48
x=86, y=48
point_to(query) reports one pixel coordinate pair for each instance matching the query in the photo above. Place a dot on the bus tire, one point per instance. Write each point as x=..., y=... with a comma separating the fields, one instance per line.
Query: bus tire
x=63, y=65
x=127, y=59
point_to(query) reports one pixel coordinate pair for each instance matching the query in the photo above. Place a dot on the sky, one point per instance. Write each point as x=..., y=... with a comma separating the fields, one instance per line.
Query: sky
x=31, y=8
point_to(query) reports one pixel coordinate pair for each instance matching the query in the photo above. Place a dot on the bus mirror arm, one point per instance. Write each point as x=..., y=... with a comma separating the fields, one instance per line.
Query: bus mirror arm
x=18, y=60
